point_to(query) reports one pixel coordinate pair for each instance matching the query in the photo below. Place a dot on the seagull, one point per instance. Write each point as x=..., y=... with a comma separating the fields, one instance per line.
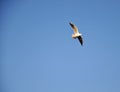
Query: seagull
x=76, y=34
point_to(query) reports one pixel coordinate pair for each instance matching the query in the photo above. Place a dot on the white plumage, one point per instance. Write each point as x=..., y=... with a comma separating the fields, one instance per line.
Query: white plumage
x=76, y=34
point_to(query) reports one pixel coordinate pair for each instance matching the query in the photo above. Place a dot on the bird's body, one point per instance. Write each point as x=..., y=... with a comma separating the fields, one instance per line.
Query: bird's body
x=76, y=34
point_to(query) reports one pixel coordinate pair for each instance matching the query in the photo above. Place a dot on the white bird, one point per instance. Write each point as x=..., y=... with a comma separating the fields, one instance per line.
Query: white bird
x=76, y=34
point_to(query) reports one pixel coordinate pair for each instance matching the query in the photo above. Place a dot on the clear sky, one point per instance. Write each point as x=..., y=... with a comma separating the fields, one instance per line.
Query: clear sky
x=38, y=54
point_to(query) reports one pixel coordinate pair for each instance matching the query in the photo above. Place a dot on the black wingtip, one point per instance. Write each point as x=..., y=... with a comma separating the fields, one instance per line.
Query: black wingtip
x=81, y=44
x=80, y=40
x=71, y=24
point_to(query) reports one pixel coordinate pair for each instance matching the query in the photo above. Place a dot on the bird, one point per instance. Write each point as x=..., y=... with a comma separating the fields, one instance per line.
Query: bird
x=76, y=34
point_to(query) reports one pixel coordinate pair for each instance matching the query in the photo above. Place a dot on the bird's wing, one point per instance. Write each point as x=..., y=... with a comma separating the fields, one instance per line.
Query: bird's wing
x=75, y=29
x=80, y=40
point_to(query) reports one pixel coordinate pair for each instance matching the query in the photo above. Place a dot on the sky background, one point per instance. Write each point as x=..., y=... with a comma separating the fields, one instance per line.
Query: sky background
x=38, y=54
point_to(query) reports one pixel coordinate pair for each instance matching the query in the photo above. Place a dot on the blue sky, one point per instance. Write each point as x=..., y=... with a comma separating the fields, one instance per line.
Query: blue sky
x=38, y=54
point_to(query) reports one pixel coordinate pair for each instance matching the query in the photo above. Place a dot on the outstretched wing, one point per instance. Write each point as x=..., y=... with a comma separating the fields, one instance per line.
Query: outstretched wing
x=80, y=40
x=75, y=29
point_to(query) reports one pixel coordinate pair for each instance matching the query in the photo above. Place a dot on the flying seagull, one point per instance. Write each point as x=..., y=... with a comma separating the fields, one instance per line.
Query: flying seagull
x=76, y=33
